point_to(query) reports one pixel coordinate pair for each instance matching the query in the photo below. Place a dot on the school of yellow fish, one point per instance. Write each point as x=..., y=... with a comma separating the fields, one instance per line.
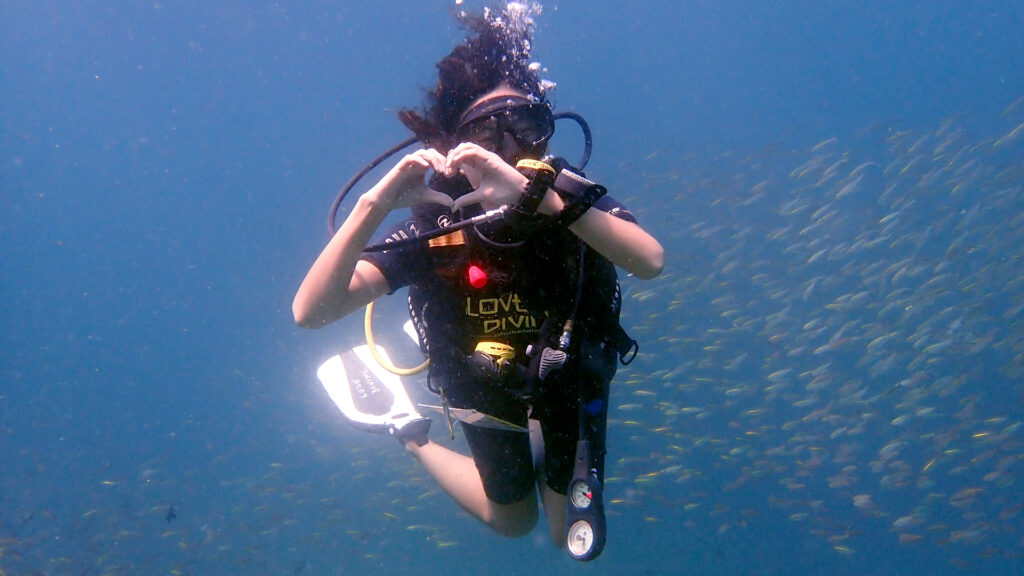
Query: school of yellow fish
x=840, y=323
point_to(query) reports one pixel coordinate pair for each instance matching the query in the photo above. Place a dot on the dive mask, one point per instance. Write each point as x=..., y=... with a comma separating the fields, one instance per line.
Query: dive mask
x=529, y=122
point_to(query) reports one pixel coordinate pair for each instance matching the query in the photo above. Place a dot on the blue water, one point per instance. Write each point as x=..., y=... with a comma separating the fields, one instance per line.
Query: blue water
x=838, y=319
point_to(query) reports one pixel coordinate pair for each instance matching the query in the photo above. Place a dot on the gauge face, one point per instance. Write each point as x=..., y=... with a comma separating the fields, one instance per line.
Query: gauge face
x=581, y=495
x=581, y=538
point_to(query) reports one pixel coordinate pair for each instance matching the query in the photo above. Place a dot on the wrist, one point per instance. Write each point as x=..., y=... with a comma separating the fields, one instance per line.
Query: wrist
x=539, y=178
x=522, y=185
x=577, y=194
x=552, y=205
x=374, y=202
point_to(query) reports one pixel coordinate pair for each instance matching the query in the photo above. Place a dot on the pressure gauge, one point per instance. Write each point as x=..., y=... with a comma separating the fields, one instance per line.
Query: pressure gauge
x=581, y=495
x=584, y=513
x=580, y=539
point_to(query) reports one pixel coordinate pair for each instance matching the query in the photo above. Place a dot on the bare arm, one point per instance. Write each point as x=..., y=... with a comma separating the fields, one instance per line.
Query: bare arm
x=338, y=282
x=624, y=243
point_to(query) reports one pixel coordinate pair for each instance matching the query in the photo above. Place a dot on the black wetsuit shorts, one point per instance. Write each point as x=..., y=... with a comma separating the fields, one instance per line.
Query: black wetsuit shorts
x=504, y=458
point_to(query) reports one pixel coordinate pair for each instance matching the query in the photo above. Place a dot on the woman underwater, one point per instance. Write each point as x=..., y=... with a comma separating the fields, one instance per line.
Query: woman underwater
x=516, y=284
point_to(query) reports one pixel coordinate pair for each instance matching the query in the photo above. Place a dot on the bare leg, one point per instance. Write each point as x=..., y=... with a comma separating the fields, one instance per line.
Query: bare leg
x=458, y=476
x=554, y=507
x=554, y=503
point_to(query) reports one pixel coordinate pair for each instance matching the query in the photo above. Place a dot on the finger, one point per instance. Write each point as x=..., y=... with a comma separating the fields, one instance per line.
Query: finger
x=474, y=197
x=437, y=161
x=464, y=152
x=471, y=174
x=414, y=159
x=465, y=146
x=461, y=155
x=431, y=155
x=435, y=197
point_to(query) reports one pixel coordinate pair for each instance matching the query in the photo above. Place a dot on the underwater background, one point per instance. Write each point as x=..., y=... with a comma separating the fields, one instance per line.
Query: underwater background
x=831, y=375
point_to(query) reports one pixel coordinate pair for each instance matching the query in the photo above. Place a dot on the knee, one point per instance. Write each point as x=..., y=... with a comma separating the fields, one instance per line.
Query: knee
x=514, y=520
x=516, y=527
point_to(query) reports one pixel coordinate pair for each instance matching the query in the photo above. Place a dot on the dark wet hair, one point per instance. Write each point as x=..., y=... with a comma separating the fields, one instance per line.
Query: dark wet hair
x=492, y=54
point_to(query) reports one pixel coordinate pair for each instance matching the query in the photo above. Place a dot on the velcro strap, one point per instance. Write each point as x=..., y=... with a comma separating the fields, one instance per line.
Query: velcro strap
x=575, y=209
x=540, y=177
x=625, y=346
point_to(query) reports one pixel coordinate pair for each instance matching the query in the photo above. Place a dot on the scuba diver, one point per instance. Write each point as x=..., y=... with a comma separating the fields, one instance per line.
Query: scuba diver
x=509, y=256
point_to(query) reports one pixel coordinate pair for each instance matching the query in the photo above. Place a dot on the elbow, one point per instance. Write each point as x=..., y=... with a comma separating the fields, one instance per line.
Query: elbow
x=303, y=315
x=648, y=272
x=301, y=320
x=651, y=266
x=316, y=314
